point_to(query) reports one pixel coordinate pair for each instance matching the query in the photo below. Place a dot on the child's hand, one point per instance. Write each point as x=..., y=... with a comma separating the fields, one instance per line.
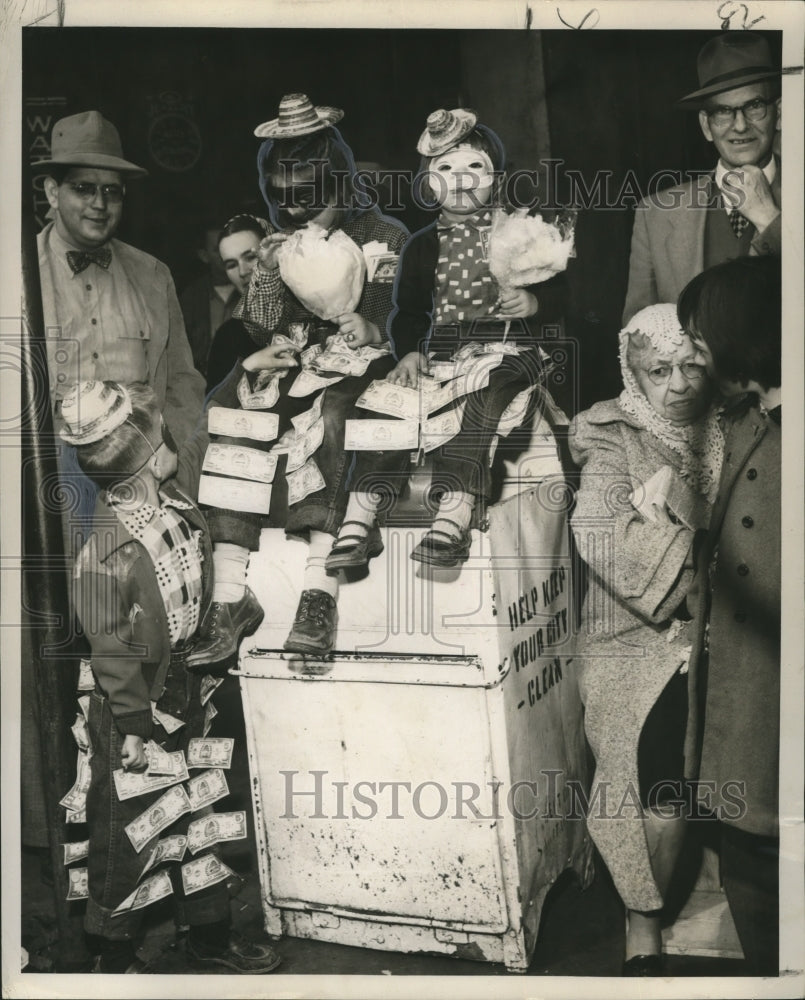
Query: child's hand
x=357, y=331
x=267, y=251
x=270, y=358
x=517, y=303
x=132, y=753
x=408, y=370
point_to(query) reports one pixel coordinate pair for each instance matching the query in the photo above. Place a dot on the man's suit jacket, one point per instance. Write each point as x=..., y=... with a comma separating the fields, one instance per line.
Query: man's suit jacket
x=179, y=388
x=668, y=242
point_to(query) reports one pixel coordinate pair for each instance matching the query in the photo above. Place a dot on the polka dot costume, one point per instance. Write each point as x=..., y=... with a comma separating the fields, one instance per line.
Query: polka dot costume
x=465, y=289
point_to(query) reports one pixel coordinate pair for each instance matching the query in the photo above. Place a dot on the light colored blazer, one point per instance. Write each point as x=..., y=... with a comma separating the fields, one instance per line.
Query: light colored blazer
x=179, y=388
x=668, y=242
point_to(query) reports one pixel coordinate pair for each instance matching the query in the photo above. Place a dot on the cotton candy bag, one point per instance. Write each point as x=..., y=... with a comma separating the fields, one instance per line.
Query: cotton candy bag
x=524, y=249
x=325, y=273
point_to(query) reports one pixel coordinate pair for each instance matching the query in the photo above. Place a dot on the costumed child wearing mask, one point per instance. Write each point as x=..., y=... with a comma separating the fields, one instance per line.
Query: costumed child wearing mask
x=317, y=311
x=445, y=296
x=142, y=582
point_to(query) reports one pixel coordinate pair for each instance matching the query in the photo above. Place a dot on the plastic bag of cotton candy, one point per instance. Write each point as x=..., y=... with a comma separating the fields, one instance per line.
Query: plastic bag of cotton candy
x=524, y=249
x=325, y=273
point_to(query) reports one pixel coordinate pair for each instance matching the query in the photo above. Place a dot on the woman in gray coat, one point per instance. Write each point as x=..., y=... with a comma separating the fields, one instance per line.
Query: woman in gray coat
x=650, y=463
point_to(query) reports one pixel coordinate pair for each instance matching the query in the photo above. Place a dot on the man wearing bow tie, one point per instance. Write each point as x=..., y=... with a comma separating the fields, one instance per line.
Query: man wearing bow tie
x=731, y=212
x=111, y=311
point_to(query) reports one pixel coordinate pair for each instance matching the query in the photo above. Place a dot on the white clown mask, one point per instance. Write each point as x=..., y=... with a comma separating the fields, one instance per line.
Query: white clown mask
x=462, y=173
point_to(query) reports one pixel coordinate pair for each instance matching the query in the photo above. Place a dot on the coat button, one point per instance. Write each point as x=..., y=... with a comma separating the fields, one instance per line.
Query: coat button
x=747, y=521
x=743, y=570
x=740, y=616
x=751, y=473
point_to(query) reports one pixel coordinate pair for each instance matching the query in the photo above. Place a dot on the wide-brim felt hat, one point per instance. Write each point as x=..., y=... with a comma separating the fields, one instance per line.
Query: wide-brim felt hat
x=444, y=129
x=729, y=61
x=88, y=140
x=93, y=409
x=298, y=116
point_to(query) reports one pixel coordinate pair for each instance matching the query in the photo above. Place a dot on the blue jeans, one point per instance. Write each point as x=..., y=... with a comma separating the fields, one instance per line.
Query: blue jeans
x=114, y=867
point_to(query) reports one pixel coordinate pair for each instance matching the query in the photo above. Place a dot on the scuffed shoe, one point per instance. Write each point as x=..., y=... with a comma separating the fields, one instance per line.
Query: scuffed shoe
x=354, y=551
x=313, y=629
x=249, y=958
x=222, y=629
x=437, y=548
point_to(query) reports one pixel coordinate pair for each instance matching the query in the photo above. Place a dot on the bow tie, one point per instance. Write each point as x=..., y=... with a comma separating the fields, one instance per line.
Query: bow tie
x=79, y=260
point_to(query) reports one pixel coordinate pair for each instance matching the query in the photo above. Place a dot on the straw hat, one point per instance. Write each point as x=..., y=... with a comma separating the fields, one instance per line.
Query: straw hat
x=88, y=140
x=731, y=60
x=91, y=410
x=444, y=129
x=297, y=117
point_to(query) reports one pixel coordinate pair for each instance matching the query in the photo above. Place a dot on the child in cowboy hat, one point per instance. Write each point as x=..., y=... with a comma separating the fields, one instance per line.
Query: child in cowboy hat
x=307, y=176
x=142, y=582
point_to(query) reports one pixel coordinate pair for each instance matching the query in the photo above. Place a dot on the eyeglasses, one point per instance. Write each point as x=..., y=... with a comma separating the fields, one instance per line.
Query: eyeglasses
x=87, y=191
x=753, y=111
x=661, y=374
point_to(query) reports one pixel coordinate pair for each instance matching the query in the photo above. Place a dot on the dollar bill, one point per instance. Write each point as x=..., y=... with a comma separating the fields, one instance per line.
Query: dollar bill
x=209, y=830
x=209, y=714
x=157, y=887
x=86, y=678
x=384, y=268
x=167, y=849
x=304, y=445
x=237, y=460
x=78, y=885
x=202, y=872
x=381, y=435
x=166, y=810
x=168, y=722
x=130, y=784
x=76, y=798
x=304, y=481
x=344, y=364
x=209, y=685
x=307, y=382
x=162, y=762
x=304, y=421
x=216, y=752
x=515, y=412
x=258, y=399
x=443, y=371
x=230, y=422
x=80, y=732
x=395, y=400
x=207, y=788
x=309, y=355
x=75, y=851
x=234, y=494
x=439, y=430
x=297, y=335
x=83, y=704
x=76, y=816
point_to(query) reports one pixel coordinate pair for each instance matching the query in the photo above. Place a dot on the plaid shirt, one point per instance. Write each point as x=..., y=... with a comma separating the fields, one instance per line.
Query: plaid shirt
x=268, y=306
x=175, y=553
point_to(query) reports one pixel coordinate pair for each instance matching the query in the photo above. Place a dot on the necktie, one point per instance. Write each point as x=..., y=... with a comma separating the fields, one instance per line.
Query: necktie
x=79, y=260
x=738, y=223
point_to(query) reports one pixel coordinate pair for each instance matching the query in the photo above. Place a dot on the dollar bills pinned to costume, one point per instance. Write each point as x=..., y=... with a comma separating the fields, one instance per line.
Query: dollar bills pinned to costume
x=158, y=817
x=80, y=732
x=394, y=400
x=76, y=816
x=86, y=678
x=78, y=884
x=168, y=722
x=302, y=422
x=235, y=494
x=209, y=714
x=515, y=412
x=209, y=685
x=381, y=435
x=304, y=481
x=83, y=704
x=167, y=849
x=209, y=830
x=238, y=460
x=259, y=399
x=304, y=444
x=439, y=430
x=338, y=356
x=77, y=850
x=162, y=762
x=230, y=422
x=308, y=382
x=216, y=752
x=207, y=788
x=202, y=872
x=76, y=799
x=130, y=784
x=153, y=889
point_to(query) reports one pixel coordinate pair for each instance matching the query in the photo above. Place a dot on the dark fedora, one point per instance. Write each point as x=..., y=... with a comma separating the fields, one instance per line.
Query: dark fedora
x=731, y=60
x=88, y=140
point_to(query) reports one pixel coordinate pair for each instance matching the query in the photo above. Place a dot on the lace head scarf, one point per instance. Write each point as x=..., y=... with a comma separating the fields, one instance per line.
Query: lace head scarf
x=699, y=445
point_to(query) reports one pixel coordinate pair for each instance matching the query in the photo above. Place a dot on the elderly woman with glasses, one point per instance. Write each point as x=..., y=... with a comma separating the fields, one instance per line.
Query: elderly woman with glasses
x=650, y=463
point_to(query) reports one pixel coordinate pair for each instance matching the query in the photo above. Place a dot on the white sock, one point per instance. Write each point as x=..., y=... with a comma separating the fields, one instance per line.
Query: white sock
x=455, y=513
x=229, y=563
x=361, y=512
x=316, y=577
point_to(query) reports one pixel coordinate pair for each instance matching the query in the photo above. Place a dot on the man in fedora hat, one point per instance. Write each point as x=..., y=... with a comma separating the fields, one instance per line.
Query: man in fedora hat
x=732, y=211
x=111, y=310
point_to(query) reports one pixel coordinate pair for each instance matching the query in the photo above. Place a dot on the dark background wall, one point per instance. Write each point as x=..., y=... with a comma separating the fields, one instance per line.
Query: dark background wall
x=186, y=102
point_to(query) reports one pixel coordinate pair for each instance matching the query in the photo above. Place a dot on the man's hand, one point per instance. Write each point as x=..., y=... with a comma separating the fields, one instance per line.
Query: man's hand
x=132, y=754
x=408, y=370
x=357, y=331
x=517, y=303
x=267, y=251
x=749, y=191
x=271, y=358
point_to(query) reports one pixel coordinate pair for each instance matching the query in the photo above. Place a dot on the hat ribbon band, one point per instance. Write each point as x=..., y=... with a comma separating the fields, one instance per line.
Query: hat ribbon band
x=737, y=73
